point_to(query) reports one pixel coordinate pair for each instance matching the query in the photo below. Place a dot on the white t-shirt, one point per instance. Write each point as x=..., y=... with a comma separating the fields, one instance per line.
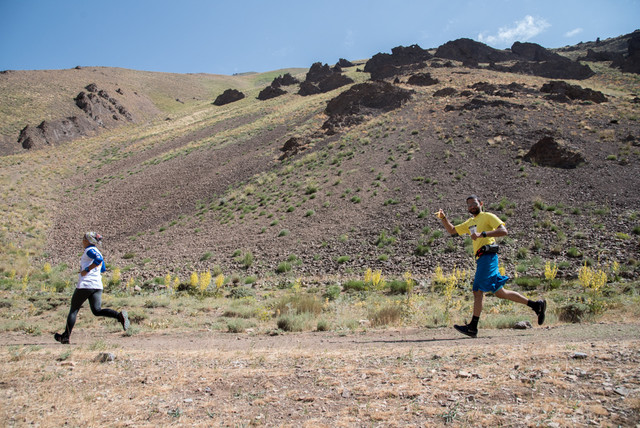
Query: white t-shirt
x=93, y=279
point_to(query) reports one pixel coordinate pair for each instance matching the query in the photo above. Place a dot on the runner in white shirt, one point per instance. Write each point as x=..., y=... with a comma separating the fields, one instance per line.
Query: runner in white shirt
x=90, y=287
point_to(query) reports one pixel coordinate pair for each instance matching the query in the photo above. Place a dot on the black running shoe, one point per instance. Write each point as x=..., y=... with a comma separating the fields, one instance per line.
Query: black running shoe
x=465, y=329
x=123, y=318
x=541, y=310
x=62, y=338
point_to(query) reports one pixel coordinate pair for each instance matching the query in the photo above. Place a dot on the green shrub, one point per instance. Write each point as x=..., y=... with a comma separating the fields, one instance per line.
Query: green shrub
x=283, y=232
x=292, y=323
x=343, y=259
x=333, y=292
x=574, y=253
x=399, y=287
x=323, y=325
x=283, y=267
x=384, y=240
x=247, y=261
x=206, y=256
x=241, y=292
x=237, y=325
x=522, y=253
x=355, y=285
x=527, y=283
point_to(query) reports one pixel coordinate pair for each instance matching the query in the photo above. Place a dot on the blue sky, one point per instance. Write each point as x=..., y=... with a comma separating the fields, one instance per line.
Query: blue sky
x=226, y=37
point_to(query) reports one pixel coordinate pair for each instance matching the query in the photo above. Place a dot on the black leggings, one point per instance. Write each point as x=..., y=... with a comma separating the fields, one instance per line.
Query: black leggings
x=95, y=302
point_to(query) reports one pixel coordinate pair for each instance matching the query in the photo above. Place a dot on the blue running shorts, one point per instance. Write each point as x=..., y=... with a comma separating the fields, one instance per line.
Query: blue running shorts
x=488, y=278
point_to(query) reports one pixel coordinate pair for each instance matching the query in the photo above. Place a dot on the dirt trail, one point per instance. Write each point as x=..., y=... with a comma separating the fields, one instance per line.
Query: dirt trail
x=405, y=338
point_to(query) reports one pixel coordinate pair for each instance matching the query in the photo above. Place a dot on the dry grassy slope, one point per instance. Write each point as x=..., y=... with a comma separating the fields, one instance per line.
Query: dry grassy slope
x=29, y=97
x=155, y=189
x=156, y=195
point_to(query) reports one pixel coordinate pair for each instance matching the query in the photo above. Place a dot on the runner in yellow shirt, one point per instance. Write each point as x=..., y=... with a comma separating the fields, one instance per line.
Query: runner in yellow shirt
x=483, y=228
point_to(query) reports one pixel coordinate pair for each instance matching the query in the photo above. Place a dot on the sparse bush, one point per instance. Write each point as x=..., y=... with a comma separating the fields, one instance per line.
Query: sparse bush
x=292, y=323
x=236, y=326
x=283, y=267
x=355, y=285
x=323, y=325
x=247, y=261
x=343, y=259
x=333, y=292
x=389, y=314
x=241, y=292
x=574, y=253
x=298, y=304
x=527, y=283
x=522, y=253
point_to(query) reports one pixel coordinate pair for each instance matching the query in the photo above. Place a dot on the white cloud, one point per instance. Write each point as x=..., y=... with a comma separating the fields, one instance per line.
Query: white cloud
x=574, y=32
x=521, y=31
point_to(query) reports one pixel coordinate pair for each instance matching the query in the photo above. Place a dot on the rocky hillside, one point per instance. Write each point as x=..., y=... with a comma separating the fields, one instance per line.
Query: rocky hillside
x=335, y=169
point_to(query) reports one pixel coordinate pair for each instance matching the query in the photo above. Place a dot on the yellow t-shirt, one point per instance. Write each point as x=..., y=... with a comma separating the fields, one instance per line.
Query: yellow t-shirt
x=484, y=222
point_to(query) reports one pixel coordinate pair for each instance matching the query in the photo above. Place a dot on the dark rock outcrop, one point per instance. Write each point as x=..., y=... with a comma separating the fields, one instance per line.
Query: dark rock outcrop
x=471, y=53
x=559, y=69
x=228, y=96
x=291, y=147
x=535, y=60
x=479, y=102
x=599, y=56
x=554, y=153
x=533, y=52
x=285, y=80
x=321, y=79
x=631, y=63
x=100, y=106
x=445, y=92
x=308, y=88
x=383, y=65
x=343, y=63
x=318, y=72
x=101, y=110
x=51, y=133
x=365, y=98
x=334, y=81
x=563, y=92
x=270, y=92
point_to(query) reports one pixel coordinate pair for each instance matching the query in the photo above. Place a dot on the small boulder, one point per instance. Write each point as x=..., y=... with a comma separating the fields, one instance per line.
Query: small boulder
x=522, y=325
x=554, y=153
x=573, y=92
x=343, y=63
x=228, y=96
x=270, y=92
x=422, y=79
